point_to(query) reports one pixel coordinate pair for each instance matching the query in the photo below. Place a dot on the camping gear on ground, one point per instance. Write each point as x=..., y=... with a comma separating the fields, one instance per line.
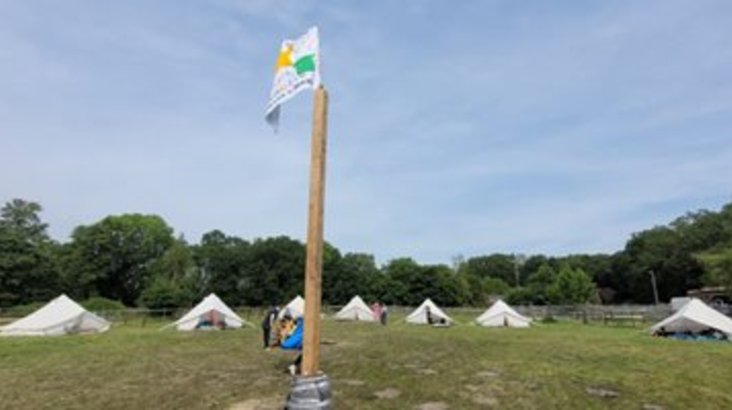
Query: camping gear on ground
x=294, y=340
x=211, y=313
x=693, y=319
x=502, y=315
x=356, y=309
x=428, y=308
x=60, y=316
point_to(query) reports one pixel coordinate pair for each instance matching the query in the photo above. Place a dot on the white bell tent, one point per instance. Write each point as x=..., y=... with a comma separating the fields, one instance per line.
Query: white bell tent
x=60, y=316
x=695, y=316
x=502, y=315
x=356, y=309
x=296, y=308
x=211, y=310
x=419, y=316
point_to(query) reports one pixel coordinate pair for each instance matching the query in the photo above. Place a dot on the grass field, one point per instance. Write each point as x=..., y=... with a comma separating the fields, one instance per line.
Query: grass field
x=549, y=366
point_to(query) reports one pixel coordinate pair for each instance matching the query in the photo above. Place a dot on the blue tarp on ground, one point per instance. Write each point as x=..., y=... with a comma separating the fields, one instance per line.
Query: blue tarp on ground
x=684, y=336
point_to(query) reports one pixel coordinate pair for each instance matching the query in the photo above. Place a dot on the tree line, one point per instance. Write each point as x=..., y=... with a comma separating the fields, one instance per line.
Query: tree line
x=137, y=260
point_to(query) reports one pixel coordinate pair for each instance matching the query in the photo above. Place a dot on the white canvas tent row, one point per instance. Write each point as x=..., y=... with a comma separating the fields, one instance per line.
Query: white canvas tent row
x=695, y=316
x=60, y=316
x=204, y=310
x=419, y=316
x=296, y=307
x=356, y=309
x=502, y=315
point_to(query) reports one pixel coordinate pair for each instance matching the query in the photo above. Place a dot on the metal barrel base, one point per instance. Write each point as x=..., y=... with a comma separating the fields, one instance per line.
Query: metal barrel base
x=310, y=393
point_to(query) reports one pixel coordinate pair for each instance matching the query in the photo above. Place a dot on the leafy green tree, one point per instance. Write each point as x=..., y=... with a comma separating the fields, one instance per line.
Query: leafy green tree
x=701, y=230
x=176, y=263
x=661, y=250
x=531, y=265
x=501, y=266
x=719, y=268
x=163, y=293
x=274, y=271
x=22, y=217
x=475, y=294
x=386, y=289
x=596, y=266
x=27, y=271
x=332, y=275
x=539, y=284
x=409, y=283
x=175, y=280
x=221, y=262
x=99, y=304
x=352, y=277
x=520, y=296
x=450, y=289
x=115, y=255
x=407, y=274
x=571, y=287
x=494, y=287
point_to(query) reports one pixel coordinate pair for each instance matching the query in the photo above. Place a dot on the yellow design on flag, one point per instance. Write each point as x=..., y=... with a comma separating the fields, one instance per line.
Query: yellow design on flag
x=284, y=59
x=297, y=68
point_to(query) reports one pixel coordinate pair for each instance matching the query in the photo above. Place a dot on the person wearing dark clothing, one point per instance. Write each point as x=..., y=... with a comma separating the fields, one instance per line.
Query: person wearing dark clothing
x=384, y=314
x=267, y=323
x=428, y=313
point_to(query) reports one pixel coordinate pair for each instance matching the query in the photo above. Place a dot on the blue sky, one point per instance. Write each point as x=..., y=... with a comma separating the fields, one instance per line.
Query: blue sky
x=455, y=127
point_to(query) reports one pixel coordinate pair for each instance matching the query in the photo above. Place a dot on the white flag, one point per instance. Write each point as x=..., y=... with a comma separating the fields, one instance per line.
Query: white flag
x=297, y=68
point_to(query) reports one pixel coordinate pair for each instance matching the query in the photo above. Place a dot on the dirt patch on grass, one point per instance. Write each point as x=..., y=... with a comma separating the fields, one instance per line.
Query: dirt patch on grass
x=479, y=395
x=484, y=400
x=266, y=381
x=388, y=393
x=433, y=405
x=488, y=373
x=472, y=388
x=427, y=372
x=271, y=403
x=602, y=392
x=351, y=382
x=651, y=406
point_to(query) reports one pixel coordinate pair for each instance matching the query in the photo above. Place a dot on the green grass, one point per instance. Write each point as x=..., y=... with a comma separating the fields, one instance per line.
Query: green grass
x=545, y=367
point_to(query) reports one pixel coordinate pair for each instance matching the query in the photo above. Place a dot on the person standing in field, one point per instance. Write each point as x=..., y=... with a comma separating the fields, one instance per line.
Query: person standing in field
x=376, y=308
x=384, y=314
x=267, y=323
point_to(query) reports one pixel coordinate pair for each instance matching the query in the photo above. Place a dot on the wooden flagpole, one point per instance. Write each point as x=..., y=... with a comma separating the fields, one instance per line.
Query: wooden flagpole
x=314, y=257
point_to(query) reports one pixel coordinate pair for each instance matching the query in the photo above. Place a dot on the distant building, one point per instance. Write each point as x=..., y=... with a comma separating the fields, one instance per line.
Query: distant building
x=715, y=296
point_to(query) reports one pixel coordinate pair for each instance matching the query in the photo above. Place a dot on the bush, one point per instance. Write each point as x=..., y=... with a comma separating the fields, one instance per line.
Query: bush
x=22, y=310
x=519, y=296
x=99, y=304
x=164, y=293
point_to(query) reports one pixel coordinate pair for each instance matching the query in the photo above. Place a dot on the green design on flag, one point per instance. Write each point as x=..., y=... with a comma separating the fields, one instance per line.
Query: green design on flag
x=297, y=68
x=305, y=64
